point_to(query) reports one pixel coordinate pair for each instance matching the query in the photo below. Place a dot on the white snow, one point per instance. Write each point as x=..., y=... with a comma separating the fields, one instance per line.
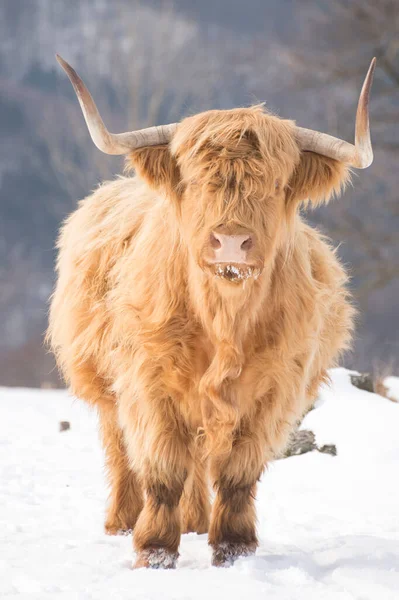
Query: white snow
x=329, y=526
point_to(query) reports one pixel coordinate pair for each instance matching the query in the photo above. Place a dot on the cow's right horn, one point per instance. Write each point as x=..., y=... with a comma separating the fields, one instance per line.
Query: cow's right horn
x=113, y=143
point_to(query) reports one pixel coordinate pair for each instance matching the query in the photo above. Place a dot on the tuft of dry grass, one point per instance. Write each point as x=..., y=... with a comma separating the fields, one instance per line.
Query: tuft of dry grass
x=375, y=381
x=380, y=372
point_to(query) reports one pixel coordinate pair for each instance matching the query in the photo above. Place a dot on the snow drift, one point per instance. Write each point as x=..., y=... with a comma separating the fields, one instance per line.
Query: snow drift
x=329, y=526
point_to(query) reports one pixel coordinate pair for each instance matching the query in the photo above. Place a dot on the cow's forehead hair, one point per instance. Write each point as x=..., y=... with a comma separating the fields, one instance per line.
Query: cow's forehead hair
x=234, y=145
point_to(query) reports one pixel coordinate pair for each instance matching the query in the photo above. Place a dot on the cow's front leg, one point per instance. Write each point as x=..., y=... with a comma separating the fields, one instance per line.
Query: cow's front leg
x=158, y=450
x=232, y=532
x=126, y=499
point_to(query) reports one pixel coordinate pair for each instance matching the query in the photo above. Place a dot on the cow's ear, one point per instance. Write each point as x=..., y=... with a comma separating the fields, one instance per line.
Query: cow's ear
x=316, y=179
x=157, y=166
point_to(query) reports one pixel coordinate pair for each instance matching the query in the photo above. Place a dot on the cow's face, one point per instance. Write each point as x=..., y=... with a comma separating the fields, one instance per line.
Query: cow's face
x=235, y=175
x=234, y=169
x=235, y=179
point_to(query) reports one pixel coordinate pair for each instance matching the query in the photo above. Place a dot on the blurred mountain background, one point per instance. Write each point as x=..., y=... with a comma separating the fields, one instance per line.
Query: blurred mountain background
x=150, y=62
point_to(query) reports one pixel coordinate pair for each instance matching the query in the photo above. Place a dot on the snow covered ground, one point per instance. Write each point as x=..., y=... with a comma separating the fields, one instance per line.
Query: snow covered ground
x=329, y=526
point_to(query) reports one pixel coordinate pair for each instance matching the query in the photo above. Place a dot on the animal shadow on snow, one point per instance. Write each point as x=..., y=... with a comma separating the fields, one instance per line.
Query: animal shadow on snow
x=354, y=552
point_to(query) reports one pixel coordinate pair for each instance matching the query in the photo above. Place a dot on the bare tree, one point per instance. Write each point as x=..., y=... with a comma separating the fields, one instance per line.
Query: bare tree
x=345, y=36
x=144, y=68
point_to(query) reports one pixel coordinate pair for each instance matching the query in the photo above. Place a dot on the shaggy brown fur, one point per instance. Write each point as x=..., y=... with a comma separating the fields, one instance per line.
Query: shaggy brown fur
x=193, y=376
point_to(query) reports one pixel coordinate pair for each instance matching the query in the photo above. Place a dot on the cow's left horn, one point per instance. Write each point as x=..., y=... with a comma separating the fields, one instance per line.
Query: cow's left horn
x=359, y=155
x=113, y=143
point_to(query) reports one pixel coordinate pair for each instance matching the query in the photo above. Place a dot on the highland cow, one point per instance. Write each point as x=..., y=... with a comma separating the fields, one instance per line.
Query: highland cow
x=199, y=313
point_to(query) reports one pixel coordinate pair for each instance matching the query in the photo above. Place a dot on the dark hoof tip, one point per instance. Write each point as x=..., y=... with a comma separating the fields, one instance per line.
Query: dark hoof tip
x=226, y=553
x=156, y=558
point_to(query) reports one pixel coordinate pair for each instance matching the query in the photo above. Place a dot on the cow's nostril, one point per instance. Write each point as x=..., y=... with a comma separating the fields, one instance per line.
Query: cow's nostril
x=215, y=243
x=247, y=244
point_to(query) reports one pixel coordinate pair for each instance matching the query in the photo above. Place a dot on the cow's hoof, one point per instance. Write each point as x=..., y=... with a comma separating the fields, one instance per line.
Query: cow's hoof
x=156, y=558
x=117, y=531
x=114, y=525
x=225, y=553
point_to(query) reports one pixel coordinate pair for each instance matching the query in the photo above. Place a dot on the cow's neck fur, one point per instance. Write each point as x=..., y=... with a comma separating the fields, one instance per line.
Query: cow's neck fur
x=228, y=315
x=227, y=311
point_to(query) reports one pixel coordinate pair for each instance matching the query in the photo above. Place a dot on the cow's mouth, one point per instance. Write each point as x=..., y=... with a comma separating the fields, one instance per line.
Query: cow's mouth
x=236, y=273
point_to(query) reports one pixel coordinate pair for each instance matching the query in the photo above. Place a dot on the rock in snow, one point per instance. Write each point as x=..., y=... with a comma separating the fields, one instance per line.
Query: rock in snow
x=328, y=526
x=301, y=441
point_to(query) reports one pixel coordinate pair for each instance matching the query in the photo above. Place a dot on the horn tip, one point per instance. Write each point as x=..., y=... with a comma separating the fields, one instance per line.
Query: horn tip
x=67, y=67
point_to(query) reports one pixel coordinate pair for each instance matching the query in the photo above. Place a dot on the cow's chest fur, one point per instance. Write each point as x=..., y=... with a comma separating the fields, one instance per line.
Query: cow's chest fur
x=238, y=372
x=252, y=360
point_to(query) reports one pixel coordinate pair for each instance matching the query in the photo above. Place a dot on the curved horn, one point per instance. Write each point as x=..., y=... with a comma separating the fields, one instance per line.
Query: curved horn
x=113, y=143
x=359, y=155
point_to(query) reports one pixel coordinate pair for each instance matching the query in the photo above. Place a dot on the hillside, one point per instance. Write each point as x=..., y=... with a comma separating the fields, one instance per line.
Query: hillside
x=153, y=62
